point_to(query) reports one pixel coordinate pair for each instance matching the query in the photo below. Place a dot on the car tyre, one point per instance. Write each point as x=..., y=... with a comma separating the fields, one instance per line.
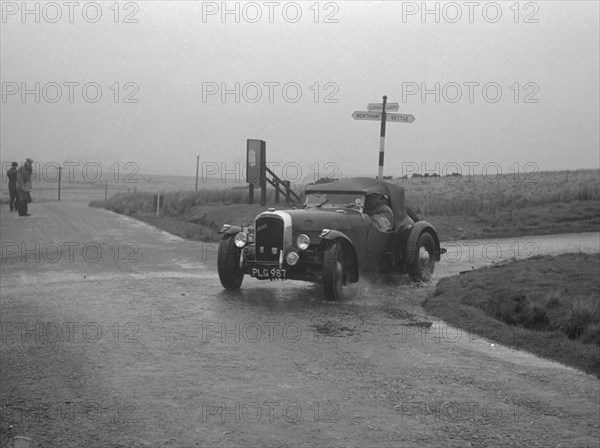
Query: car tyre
x=228, y=259
x=333, y=272
x=421, y=270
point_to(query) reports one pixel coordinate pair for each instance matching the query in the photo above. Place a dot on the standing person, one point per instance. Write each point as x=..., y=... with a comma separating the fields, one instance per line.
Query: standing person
x=12, y=186
x=24, y=187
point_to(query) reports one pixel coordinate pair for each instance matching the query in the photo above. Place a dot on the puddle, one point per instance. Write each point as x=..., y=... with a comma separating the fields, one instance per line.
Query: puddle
x=331, y=328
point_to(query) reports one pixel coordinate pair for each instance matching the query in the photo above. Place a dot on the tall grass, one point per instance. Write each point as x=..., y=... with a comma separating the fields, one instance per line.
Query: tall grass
x=471, y=196
x=457, y=196
x=180, y=203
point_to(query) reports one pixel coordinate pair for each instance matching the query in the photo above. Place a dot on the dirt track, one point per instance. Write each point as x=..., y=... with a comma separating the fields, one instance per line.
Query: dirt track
x=144, y=348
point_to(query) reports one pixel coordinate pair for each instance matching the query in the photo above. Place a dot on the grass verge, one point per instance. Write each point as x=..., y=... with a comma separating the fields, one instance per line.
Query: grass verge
x=549, y=306
x=203, y=220
x=189, y=215
x=459, y=208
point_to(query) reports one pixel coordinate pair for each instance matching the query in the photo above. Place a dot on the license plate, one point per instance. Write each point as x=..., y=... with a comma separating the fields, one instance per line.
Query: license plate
x=275, y=273
x=247, y=228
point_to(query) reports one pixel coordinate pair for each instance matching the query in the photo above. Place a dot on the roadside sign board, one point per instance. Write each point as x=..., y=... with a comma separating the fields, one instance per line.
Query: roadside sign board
x=399, y=118
x=378, y=107
x=376, y=116
x=362, y=115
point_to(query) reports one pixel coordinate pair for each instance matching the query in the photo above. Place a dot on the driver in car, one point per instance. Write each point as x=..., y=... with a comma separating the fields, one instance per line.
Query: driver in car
x=380, y=212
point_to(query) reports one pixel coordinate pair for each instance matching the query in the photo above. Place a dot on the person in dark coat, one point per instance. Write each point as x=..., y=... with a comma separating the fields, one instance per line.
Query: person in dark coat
x=24, y=187
x=377, y=207
x=12, y=186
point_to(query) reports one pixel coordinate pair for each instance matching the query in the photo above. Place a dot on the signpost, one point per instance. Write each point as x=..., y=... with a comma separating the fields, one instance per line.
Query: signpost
x=390, y=107
x=400, y=118
x=362, y=115
x=376, y=116
x=378, y=112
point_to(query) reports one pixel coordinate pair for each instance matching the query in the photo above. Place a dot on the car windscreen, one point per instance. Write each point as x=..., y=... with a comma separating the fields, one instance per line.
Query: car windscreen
x=335, y=200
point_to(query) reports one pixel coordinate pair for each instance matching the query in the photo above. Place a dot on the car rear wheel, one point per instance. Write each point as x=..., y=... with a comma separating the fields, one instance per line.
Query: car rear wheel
x=421, y=270
x=333, y=272
x=228, y=259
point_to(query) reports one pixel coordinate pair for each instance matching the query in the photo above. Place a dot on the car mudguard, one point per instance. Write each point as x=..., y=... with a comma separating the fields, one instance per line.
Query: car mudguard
x=411, y=242
x=230, y=230
x=350, y=254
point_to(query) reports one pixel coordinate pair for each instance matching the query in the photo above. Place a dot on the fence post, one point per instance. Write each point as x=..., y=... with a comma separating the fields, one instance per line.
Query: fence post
x=157, y=202
x=59, y=178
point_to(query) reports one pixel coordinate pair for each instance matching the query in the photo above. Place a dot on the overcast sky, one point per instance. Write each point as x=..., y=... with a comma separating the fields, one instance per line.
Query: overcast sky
x=173, y=60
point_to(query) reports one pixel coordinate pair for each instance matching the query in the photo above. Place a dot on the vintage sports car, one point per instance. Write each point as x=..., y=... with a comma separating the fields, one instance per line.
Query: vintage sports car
x=345, y=229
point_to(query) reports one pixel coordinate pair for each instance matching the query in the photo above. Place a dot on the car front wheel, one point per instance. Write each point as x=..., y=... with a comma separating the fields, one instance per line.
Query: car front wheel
x=421, y=270
x=228, y=259
x=333, y=272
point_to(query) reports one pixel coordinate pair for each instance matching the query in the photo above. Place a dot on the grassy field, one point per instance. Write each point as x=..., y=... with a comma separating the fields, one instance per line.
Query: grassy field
x=546, y=305
x=475, y=207
x=460, y=208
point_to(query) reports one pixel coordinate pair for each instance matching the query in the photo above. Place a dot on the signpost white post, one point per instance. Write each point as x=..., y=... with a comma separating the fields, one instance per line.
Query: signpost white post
x=382, y=139
x=378, y=112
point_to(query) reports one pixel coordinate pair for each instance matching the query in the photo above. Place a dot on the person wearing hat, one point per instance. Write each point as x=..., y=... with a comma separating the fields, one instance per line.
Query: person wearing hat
x=12, y=186
x=24, y=187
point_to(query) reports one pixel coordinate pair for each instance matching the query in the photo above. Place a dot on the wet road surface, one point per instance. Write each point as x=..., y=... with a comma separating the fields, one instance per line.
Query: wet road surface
x=142, y=347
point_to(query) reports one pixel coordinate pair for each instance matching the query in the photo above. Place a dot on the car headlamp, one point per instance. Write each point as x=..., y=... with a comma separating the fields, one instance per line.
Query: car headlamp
x=302, y=241
x=240, y=239
x=292, y=258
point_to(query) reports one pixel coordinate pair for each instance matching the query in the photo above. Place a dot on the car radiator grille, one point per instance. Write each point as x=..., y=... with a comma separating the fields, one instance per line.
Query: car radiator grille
x=269, y=238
